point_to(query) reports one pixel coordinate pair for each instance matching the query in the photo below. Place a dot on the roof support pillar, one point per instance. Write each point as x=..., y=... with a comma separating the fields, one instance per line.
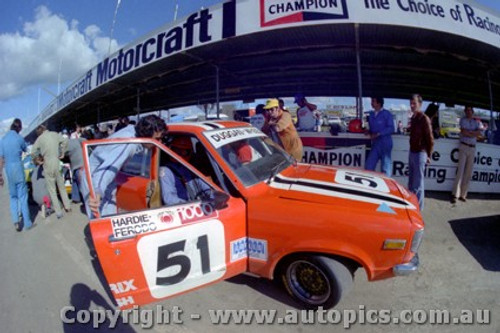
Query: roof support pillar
x=493, y=126
x=217, y=85
x=138, y=102
x=359, y=100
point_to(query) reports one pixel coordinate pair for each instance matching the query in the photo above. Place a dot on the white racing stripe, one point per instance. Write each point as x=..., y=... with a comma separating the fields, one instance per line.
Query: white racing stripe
x=213, y=124
x=201, y=125
x=332, y=189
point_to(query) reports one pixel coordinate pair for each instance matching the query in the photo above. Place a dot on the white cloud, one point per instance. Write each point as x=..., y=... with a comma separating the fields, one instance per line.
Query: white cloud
x=5, y=126
x=33, y=57
x=92, y=31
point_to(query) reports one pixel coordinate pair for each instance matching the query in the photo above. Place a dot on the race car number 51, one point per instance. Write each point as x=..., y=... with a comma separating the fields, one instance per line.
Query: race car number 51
x=178, y=260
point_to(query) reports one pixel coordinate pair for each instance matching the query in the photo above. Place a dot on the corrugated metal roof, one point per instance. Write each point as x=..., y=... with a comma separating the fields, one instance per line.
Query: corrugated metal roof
x=315, y=60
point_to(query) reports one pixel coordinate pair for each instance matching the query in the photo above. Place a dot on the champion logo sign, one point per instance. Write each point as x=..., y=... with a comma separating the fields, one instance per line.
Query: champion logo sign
x=276, y=12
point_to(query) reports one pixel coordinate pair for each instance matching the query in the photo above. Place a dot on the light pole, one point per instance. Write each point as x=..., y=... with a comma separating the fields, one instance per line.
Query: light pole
x=113, y=25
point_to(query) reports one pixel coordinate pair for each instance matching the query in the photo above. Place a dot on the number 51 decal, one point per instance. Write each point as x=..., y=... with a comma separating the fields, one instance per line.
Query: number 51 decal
x=178, y=260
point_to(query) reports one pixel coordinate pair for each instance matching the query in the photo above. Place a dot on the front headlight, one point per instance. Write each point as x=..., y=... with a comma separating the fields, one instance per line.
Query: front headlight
x=417, y=239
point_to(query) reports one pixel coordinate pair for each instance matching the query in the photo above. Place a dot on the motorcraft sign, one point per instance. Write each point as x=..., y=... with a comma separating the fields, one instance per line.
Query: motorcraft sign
x=205, y=26
x=235, y=18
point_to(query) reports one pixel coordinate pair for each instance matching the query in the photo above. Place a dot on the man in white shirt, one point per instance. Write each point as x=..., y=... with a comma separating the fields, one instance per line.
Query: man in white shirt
x=258, y=119
x=470, y=129
x=307, y=116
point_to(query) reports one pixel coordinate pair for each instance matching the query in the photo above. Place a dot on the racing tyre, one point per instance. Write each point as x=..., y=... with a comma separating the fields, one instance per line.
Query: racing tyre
x=316, y=281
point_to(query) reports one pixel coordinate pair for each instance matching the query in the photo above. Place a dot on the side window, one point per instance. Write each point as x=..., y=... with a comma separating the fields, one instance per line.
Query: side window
x=120, y=176
x=203, y=162
x=139, y=164
x=178, y=184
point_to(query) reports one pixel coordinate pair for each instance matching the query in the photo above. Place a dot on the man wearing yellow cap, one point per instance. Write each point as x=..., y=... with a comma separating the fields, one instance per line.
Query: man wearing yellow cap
x=282, y=130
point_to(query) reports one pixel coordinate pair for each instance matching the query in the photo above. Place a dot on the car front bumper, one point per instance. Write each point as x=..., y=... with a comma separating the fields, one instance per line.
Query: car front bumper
x=407, y=268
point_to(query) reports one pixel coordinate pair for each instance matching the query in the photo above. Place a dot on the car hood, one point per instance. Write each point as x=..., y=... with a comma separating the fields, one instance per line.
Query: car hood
x=352, y=189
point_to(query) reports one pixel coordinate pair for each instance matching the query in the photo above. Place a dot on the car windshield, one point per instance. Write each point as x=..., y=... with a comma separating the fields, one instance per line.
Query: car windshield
x=254, y=159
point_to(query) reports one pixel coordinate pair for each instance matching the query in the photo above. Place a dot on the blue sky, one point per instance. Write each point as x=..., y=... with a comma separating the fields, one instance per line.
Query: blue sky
x=46, y=42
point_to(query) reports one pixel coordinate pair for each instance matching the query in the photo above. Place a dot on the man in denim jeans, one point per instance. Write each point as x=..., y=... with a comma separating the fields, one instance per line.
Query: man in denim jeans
x=11, y=148
x=381, y=128
x=421, y=144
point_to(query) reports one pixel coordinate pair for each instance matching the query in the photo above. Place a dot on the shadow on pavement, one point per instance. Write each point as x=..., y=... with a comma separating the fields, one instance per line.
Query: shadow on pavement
x=446, y=196
x=96, y=265
x=273, y=289
x=480, y=236
x=75, y=320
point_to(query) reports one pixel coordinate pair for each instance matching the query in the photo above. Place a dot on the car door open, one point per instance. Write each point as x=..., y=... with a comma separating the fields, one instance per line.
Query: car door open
x=148, y=254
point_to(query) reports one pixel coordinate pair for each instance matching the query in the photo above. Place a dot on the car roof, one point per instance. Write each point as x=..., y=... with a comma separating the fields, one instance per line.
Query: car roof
x=203, y=126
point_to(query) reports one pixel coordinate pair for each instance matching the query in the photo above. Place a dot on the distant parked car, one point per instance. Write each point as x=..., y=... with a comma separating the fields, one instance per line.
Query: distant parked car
x=449, y=130
x=336, y=124
x=334, y=120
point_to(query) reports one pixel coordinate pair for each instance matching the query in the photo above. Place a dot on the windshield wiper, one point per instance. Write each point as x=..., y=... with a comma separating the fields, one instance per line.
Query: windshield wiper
x=274, y=171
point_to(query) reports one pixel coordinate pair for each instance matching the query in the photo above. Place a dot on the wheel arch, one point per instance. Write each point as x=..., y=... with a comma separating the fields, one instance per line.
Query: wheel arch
x=350, y=263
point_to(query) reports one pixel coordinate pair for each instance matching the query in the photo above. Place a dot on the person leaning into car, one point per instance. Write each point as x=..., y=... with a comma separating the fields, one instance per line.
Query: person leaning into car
x=106, y=160
x=470, y=129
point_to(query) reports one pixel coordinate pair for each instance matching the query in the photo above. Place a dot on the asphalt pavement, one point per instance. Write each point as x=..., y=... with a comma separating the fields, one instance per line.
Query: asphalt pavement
x=50, y=268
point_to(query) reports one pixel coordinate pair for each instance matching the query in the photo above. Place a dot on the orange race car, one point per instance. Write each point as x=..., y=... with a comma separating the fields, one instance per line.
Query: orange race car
x=255, y=210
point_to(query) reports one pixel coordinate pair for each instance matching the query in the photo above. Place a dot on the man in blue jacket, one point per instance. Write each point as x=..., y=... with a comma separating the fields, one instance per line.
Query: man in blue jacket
x=381, y=128
x=11, y=148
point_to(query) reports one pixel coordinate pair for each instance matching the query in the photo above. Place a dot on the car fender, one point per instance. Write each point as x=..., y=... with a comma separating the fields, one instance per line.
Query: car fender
x=342, y=250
